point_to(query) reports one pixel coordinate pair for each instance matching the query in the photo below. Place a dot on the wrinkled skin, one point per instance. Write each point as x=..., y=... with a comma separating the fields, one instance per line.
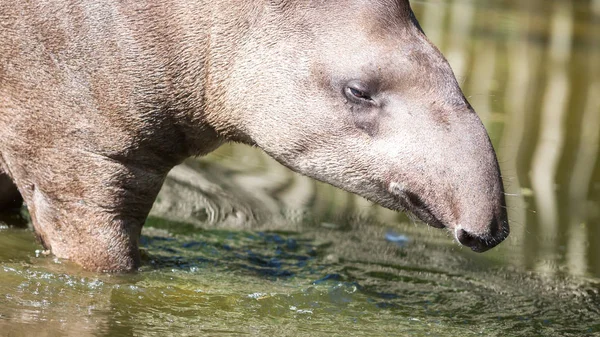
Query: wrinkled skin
x=100, y=99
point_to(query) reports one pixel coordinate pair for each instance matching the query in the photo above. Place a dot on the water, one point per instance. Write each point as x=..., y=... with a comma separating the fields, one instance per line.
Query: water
x=237, y=244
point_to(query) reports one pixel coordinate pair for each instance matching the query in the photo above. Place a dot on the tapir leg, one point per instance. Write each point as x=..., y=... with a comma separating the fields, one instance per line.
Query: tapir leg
x=89, y=209
x=10, y=198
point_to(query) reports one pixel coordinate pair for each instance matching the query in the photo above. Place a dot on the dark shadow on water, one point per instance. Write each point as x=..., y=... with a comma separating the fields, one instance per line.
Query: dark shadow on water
x=260, y=254
x=16, y=218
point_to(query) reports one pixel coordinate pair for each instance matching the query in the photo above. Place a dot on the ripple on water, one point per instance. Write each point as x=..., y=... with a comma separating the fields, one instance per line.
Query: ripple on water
x=233, y=282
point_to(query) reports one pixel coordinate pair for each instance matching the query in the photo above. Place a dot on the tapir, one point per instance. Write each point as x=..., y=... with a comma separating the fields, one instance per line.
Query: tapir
x=99, y=99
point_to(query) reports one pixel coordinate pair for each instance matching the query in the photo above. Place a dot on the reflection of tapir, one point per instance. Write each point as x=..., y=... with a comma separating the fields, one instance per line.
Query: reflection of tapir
x=100, y=99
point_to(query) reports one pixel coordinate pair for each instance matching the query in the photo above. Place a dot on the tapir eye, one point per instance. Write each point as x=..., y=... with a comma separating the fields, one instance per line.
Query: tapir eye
x=357, y=92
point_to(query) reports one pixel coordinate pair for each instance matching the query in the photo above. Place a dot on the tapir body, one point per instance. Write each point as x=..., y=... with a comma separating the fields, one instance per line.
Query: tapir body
x=100, y=99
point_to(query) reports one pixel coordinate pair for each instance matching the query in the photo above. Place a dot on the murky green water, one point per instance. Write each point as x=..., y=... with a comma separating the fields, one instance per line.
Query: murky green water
x=239, y=245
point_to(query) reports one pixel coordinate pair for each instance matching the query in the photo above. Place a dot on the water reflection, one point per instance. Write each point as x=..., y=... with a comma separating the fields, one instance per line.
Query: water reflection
x=533, y=74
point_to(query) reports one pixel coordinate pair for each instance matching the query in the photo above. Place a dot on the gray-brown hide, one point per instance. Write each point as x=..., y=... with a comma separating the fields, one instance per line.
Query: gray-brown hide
x=100, y=99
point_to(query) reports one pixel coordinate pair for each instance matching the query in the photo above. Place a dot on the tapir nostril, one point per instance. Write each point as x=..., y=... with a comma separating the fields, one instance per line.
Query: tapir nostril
x=476, y=243
x=467, y=239
x=496, y=231
x=482, y=243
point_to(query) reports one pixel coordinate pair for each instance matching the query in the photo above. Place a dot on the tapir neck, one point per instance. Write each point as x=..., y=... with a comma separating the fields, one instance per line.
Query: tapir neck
x=195, y=43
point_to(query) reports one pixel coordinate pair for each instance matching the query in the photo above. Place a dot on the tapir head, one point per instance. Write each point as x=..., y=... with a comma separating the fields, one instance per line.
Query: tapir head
x=352, y=93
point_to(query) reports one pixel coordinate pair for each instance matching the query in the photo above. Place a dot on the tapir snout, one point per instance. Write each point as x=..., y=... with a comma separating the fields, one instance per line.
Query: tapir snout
x=457, y=187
